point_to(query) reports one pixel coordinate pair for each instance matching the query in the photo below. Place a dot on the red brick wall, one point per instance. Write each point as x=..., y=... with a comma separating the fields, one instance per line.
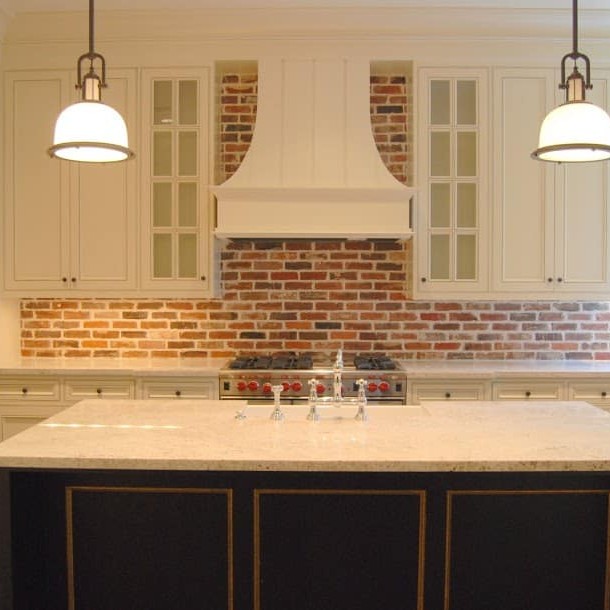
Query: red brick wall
x=325, y=295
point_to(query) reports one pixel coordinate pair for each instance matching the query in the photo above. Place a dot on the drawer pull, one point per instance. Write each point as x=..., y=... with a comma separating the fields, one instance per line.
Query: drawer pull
x=447, y=394
x=527, y=393
x=604, y=394
x=99, y=391
x=24, y=391
x=178, y=393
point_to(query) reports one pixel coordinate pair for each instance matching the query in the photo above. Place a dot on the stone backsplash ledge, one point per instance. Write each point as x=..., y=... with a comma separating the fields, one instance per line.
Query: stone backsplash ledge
x=320, y=296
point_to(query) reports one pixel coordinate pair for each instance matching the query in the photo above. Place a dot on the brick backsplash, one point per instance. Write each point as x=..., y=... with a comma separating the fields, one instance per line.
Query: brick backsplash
x=322, y=295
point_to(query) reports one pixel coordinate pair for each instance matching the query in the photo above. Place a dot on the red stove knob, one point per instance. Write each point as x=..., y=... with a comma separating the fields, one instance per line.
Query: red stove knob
x=384, y=386
x=266, y=388
x=241, y=385
x=253, y=385
x=297, y=386
x=372, y=386
x=285, y=386
x=320, y=388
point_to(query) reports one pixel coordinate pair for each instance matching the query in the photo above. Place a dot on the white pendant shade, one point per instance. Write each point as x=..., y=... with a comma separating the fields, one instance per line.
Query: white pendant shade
x=90, y=131
x=574, y=132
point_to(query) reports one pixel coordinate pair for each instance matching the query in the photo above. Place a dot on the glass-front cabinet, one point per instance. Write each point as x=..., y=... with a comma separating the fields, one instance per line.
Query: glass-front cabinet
x=176, y=212
x=452, y=217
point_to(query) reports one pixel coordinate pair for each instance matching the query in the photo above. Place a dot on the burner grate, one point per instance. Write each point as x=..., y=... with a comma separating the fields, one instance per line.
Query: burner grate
x=374, y=363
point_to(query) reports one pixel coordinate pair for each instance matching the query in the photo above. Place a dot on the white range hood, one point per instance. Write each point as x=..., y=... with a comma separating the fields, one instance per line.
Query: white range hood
x=313, y=170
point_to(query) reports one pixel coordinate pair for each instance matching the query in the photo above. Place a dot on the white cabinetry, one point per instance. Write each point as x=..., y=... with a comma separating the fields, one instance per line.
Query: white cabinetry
x=453, y=173
x=67, y=227
x=448, y=389
x=183, y=387
x=550, y=221
x=176, y=213
x=528, y=389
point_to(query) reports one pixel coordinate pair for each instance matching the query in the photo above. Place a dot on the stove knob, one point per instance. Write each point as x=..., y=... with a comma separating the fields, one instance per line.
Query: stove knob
x=241, y=385
x=372, y=386
x=253, y=385
x=384, y=386
x=286, y=386
x=297, y=386
x=267, y=388
x=320, y=388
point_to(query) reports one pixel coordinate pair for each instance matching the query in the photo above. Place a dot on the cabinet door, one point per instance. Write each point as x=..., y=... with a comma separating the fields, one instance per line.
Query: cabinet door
x=179, y=388
x=175, y=195
x=523, y=188
x=581, y=259
x=451, y=389
x=453, y=216
x=528, y=390
x=36, y=246
x=103, y=206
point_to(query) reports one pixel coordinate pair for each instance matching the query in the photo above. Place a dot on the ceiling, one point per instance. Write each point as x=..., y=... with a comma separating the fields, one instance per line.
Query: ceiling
x=26, y=6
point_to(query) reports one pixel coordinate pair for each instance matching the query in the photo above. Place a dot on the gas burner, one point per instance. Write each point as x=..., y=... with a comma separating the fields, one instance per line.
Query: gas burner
x=278, y=361
x=364, y=362
x=251, y=362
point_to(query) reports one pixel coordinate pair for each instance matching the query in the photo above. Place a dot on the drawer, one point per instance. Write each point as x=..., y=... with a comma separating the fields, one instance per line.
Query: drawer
x=29, y=389
x=15, y=418
x=79, y=388
x=597, y=393
x=524, y=390
x=423, y=391
x=179, y=388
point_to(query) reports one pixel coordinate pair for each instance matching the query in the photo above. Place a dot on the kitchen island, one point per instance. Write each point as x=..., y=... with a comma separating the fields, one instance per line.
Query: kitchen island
x=180, y=504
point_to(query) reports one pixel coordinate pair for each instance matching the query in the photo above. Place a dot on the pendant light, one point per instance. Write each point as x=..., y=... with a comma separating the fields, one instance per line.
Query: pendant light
x=90, y=130
x=577, y=130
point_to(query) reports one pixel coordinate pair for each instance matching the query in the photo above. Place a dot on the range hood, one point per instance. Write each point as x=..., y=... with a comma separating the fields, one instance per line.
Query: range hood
x=313, y=169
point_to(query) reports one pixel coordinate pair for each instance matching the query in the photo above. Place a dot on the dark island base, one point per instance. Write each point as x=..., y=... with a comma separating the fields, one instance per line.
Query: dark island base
x=111, y=540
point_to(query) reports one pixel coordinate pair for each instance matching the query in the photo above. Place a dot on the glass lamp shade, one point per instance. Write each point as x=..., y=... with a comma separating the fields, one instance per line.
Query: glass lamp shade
x=574, y=132
x=90, y=131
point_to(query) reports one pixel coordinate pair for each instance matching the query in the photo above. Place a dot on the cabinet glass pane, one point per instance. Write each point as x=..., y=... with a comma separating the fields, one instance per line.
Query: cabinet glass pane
x=162, y=153
x=187, y=102
x=162, y=204
x=439, y=257
x=466, y=153
x=187, y=153
x=162, y=255
x=162, y=102
x=187, y=255
x=440, y=102
x=187, y=204
x=467, y=205
x=440, y=157
x=466, y=256
x=466, y=102
x=440, y=205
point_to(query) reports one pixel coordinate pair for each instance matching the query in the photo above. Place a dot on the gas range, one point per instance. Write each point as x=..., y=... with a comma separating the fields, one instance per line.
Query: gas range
x=251, y=377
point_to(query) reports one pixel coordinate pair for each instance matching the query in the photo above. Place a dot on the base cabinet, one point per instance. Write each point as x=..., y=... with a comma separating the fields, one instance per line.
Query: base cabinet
x=304, y=540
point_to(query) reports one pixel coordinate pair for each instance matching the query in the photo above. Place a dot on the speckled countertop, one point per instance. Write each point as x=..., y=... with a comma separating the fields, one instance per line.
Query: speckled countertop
x=113, y=366
x=489, y=369
x=205, y=435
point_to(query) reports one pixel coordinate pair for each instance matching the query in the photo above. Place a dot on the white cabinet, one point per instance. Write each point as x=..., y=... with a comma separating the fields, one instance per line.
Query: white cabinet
x=595, y=392
x=453, y=151
x=179, y=387
x=448, y=389
x=528, y=389
x=550, y=221
x=81, y=388
x=67, y=227
x=177, y=248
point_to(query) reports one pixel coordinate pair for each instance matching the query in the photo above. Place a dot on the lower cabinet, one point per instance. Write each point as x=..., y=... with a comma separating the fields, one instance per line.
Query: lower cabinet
x=529, y=389
x=595, y=392
x=306, y=540
x=451, y=389
x=179, y=387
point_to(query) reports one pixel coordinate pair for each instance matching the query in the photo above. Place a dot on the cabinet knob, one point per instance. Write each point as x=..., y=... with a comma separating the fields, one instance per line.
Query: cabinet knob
x=203, y=278
x=73, y=279
x=447, y=394
x=99, y=391
x=604, y=394
x=527, y=393
x=424, y=279
x=560, y=279
x=550, y=279
x=64, y=279
x=178, y=393
x=24, y=391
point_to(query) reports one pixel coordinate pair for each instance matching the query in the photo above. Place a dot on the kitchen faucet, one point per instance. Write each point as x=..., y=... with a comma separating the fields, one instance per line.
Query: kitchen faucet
x=337, y=379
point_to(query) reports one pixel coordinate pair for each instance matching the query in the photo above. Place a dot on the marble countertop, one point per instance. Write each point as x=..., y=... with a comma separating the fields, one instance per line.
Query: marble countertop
x=205, y=435
x=490, y=369
x=113, y=366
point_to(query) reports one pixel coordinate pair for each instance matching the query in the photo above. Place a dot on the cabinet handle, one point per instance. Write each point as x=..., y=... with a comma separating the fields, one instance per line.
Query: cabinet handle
x=73, y=279
x=560, y=279
x=424, y=279
x=447, y=394
x=550, y=279
x=24, y=391
x=203, y=278
x=527, y=393
x=64, y=279
x=604, y=394
x=99, y=391
x=178, y=393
